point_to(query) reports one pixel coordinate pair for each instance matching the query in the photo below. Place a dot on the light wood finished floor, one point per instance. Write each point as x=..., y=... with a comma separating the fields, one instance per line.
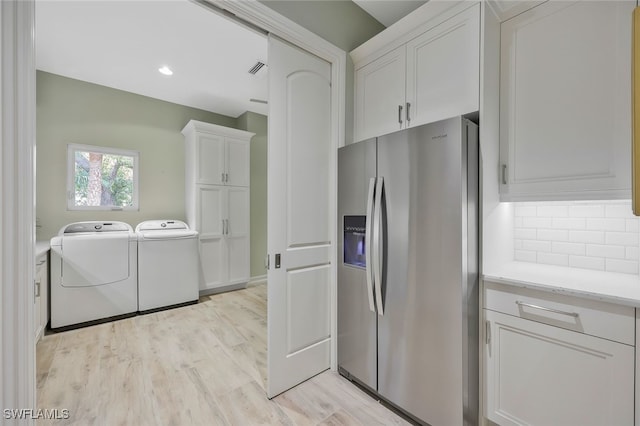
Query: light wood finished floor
x=204, y=364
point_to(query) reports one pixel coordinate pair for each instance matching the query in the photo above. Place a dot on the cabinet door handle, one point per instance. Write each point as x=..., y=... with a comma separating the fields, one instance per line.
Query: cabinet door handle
x=400, y=114
x=542, y=308
x=227, y=221
x=487, y=332
x=226, y=177
x=408, y=114
x=37, y=288
x=222, y=177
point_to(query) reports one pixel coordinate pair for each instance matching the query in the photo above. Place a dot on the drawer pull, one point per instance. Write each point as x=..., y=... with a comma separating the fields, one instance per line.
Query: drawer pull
x=542, y=308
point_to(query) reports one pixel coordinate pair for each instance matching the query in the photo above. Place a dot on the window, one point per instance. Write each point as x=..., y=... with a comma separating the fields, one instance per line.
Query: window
x=101, y=178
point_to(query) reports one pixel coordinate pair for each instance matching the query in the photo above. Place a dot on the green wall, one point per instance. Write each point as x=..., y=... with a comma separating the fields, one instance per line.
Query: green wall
x=341, y=22
x=73, y=111
x=257, y=124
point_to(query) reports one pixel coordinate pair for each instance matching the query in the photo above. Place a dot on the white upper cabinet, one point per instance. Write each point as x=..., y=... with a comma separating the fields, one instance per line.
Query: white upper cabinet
x=420, y=76
x=380, y=95
x=217, y=155
x=443, y=70
x=565, y=101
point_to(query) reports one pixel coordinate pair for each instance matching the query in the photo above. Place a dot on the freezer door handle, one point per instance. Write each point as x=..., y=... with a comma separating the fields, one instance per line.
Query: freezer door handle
x=378, y=244
x=368, y=243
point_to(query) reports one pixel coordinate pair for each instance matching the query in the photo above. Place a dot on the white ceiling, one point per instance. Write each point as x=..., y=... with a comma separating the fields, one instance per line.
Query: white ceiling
x=388, y=12
x=121, y=44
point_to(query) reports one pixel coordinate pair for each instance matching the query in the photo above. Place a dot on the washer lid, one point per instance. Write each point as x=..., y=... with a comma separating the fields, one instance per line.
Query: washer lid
x=95, y=226
x=164, y=229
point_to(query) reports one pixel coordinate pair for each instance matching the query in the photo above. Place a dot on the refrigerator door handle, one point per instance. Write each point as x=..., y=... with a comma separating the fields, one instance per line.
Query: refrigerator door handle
x=368, y=243
x=378, y=245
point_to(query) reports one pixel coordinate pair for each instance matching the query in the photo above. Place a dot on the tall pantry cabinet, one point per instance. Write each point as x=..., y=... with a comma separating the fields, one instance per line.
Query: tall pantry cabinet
x=217, y=171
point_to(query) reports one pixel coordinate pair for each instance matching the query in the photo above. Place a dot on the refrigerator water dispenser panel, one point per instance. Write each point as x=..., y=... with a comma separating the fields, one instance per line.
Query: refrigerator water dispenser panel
x=354, y=243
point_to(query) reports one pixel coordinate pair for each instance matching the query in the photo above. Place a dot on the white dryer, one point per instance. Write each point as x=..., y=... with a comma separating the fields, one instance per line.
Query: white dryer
x=93, y=273
x=168, y=262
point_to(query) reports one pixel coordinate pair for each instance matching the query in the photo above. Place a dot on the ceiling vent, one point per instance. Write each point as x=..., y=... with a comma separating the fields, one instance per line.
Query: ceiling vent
x=257, y=67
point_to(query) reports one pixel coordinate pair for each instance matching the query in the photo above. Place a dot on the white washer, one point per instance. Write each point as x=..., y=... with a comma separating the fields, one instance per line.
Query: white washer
x=93, y=273
x=168, y=262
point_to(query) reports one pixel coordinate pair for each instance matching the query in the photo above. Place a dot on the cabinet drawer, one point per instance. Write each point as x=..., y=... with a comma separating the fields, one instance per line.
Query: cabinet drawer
x=601, y=319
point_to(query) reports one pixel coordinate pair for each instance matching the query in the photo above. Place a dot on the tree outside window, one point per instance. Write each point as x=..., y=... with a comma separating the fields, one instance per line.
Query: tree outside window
x=102, y=178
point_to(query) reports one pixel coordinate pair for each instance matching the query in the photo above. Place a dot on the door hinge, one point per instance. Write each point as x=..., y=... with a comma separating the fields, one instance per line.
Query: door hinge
x=487, y=332
x=266, y=262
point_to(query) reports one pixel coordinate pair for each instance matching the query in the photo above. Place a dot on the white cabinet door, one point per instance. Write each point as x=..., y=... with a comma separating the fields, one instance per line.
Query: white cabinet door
x=210, y=220
x=565, y=101
x=211, y=210
x=210, y=159
x=213, y=261
x=41, y=297
x=238, y=162
x=43, y=274
x=537, y=374
x=443, y=70
x=237, y=235
x=380, y=95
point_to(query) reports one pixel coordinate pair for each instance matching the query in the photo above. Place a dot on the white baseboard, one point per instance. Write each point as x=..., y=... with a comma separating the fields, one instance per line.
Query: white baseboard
x=257, y=280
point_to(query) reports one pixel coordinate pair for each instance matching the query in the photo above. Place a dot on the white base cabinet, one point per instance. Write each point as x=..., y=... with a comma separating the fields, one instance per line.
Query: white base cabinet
x=217, y=201
x=543, y=367
x=41, y=293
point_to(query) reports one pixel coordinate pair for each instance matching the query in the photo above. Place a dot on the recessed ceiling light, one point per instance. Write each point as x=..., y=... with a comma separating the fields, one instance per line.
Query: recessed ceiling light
x=165, y=70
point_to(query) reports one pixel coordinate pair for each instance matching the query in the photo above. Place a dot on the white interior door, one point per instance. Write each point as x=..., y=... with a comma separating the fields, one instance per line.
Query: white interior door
x=299, y=217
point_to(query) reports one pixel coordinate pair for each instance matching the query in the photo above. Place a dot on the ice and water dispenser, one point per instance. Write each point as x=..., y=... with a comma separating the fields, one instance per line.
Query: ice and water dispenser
x=354, y=243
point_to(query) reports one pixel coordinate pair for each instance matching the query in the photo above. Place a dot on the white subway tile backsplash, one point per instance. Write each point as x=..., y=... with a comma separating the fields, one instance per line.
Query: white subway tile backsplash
x=536, y=222
x=586, y=211
x=525, y=256
x=553, y=235
x=568, y=223
x=602, y=236
x=536, y=245
x=522, y=211
x=568, y=248
x=618, y=210
x=596, y=237
x=600, y=250
x=622, y=238
x=553, y=211
x=622, y=266
x=602, y=224
x=525, y=234
x=553, y=259
x=585, y=262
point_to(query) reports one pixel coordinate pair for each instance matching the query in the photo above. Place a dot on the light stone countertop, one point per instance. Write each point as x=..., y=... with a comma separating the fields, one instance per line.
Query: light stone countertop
x=42, y=247
x=623, y=289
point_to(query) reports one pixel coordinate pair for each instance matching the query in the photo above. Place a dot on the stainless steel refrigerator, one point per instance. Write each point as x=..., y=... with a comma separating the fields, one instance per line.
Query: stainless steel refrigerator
x=408, y=270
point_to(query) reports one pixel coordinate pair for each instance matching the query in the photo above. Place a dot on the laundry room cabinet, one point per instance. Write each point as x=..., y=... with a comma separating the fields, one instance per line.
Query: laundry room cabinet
x=431, y=76
x=220, y=154
x=217, y=202
x=41, y=296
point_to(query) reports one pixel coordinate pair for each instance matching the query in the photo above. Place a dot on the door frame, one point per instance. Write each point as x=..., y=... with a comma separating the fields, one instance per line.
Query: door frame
x=17, y=176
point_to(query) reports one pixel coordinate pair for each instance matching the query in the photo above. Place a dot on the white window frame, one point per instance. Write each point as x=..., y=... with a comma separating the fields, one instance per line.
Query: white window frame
x=71, y=151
